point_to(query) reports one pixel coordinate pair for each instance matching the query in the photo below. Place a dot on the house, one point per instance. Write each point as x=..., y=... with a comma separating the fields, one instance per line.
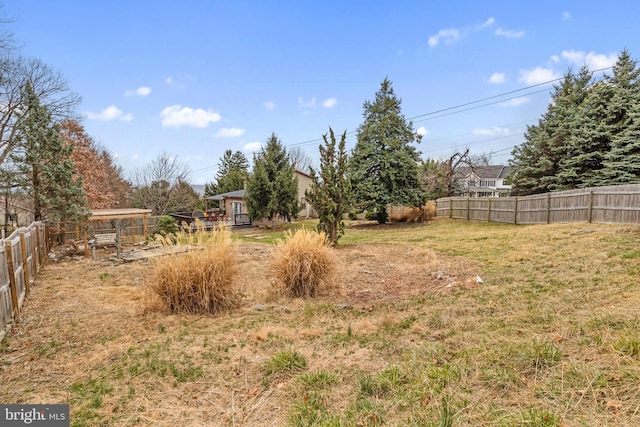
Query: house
x=14, y=213
x=483, y=181
x=235, y=207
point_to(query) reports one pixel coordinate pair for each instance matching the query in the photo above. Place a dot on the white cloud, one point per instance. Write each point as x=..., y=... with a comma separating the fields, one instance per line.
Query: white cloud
x=110, y=113
x=489, y=22
x=447, y=36
x=134, y=156
x=169, y=80
x=497, y=78
x=593, y=60
x=566, y=16
x=494, y=131
x=514, y=102
x=510, y=34
x=269, y=105
x=141, y=91
x=555, y=58
x=422, y=131
x=309, y=104
x=537, y=75
x=252, y=146
x=176, y=115
x=328, y=103
x=229, y=133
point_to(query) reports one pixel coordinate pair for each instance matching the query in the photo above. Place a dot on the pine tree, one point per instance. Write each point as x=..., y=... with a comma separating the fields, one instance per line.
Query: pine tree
x=331, y=189
x=590, y=141
x=231, y=175
x=46, y=167
x=537, y=161
x=384, y=165
x=272, y=189
x=620, y=163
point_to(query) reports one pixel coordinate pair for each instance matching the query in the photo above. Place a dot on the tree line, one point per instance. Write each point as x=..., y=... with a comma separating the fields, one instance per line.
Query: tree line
x=383, y=169
x=46, y=157
x=588, y=137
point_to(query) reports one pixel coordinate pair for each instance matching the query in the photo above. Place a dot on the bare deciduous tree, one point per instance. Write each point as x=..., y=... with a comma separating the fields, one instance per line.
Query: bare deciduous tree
x=48, y=85
x=163, y=186
x=301, y=160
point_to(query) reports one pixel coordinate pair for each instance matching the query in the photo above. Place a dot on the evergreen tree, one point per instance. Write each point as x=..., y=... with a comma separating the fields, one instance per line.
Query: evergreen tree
x=44, y=161
x=331, y=189
x=384, y=165
x=602, y=118
x=536, y=162
x=590, y=141
x=231, y=175
x=620, y=164
x=272, y=189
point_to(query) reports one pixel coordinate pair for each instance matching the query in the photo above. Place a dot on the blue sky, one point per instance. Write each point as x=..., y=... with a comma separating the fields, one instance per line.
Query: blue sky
x=195, y=78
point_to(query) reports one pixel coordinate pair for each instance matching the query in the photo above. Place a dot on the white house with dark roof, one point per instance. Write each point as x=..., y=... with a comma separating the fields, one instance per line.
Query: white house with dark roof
x=484, y=181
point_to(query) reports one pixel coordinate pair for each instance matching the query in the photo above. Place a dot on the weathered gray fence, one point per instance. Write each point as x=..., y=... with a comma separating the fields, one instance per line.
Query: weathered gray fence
x=615, y=204
x=21, y=256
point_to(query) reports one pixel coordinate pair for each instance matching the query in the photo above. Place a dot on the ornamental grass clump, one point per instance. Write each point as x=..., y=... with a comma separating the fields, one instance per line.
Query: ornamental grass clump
x=200, y=280
x=303, y=264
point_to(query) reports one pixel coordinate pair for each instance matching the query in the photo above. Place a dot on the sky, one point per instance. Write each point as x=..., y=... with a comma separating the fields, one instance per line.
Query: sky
x=194, y=78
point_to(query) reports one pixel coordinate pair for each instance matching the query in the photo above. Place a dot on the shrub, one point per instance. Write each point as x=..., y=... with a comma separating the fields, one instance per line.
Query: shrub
x=166, y=225
x=199, y=281
x=302, y=263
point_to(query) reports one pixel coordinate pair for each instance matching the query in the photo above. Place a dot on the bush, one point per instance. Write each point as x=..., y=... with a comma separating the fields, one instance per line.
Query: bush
x=166, y=225
x=302, y=264
x=199, y=281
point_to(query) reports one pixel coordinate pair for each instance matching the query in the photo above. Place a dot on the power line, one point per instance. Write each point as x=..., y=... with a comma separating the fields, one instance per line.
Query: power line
x=450, y=110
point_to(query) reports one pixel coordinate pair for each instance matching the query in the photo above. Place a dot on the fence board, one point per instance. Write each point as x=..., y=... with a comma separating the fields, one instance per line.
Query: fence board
x=6, y=305
x=23, y=251
x=612, y=204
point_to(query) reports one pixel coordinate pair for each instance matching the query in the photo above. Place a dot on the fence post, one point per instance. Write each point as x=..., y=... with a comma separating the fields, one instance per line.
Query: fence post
x=8, y=250
x=515, y=211
x=468, y=202
x=590, y=214
x=548, y=208
x=84, y=239
x=489, y=210
x=38, y=250
x=25, y=262
x=450, y=207
x=117, y=239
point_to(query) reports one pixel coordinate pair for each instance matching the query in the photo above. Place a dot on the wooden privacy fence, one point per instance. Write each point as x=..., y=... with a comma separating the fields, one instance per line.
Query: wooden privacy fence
x=21, y=256
x=615, y=204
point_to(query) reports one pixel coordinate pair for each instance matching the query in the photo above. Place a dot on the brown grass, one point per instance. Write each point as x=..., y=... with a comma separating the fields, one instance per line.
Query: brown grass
x=406, y=214
x=549, y=339
x=200, y=281
x=302, y=264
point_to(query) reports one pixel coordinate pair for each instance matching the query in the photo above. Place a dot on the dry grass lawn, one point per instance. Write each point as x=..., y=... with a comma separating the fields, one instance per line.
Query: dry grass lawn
x=410, y=337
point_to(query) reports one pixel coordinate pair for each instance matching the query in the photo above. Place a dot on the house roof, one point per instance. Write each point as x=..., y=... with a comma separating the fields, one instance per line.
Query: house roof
x=237, y=194
x=485, y=172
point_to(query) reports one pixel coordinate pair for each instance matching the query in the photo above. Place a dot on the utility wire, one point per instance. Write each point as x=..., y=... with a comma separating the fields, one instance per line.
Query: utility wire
x=449, y=110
